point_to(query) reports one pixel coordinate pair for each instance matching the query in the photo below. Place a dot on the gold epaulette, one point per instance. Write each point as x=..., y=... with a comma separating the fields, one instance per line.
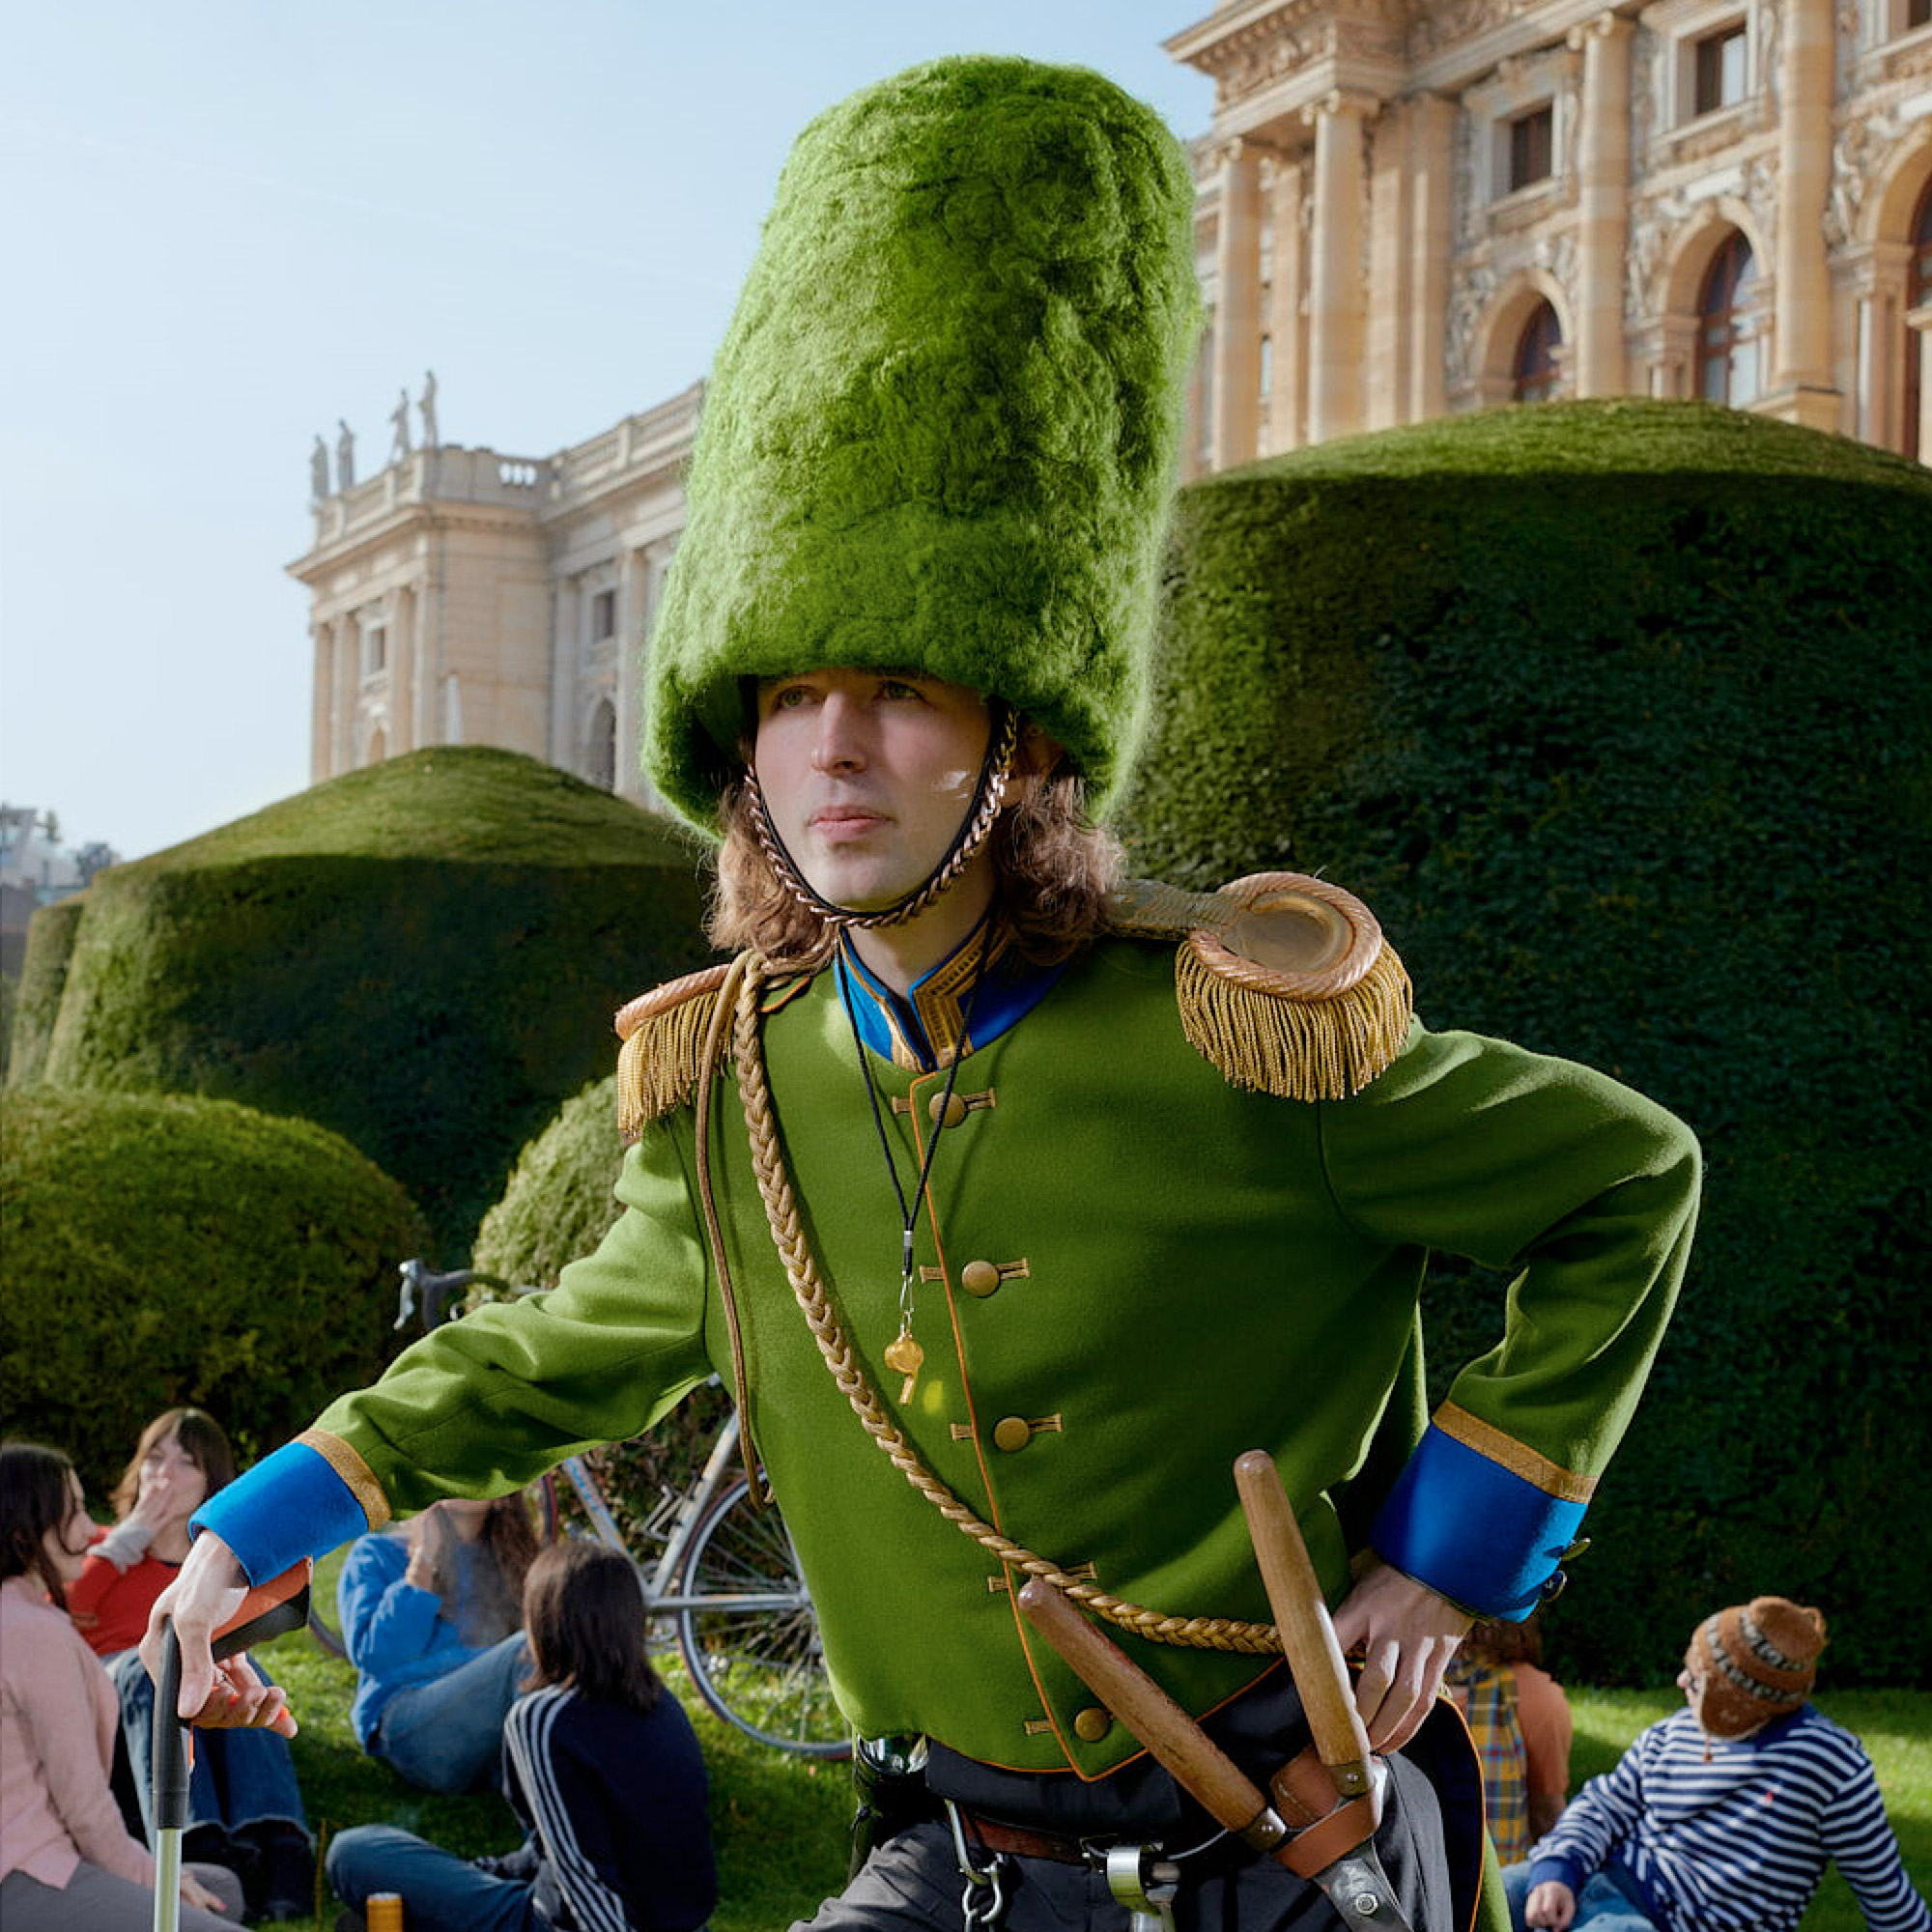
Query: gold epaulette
x=664, y=1033
x=1285, y=983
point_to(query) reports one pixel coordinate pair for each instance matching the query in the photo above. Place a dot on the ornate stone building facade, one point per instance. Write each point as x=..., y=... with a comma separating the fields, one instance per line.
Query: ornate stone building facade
x=1406, y=210
x=463, y=597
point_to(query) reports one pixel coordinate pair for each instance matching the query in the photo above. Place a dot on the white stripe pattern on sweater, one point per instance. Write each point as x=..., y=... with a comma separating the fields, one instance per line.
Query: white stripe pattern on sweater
x=527, y=1731
x=1738, y=1844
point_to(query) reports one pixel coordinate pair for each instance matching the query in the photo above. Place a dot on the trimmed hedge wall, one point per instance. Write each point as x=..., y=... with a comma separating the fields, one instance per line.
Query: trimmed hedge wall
x=559, y=1205
x=424, y=956
x=158, y=1249
x=1620, y=715
x=50, y=936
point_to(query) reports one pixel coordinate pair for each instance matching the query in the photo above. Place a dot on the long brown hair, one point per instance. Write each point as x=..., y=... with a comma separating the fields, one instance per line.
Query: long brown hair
x=510, y=1541
x=203, y=1441
x=585, y=1613
x=32, y=1500
x=1055, y=868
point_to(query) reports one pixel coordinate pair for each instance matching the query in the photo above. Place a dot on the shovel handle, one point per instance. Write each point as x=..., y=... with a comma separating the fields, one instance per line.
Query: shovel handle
x=1302, y=1615
x=269, y=1610
x=1199, y=1765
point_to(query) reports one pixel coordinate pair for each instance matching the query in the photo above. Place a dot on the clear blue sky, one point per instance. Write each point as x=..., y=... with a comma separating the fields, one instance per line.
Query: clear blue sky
x=230, y=222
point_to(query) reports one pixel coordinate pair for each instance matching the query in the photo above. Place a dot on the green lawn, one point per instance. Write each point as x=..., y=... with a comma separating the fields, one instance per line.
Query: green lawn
x=780, y=1823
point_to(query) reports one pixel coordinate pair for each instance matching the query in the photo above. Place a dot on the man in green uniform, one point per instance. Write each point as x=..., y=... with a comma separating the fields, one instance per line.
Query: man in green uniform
x=1016, y=1199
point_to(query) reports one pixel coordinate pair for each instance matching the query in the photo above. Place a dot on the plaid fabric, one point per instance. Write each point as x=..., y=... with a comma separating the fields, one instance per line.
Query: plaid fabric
x=1486, y=1695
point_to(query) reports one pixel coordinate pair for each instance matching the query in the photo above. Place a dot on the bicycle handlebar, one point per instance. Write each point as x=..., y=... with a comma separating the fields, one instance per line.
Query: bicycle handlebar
x=429, y=1292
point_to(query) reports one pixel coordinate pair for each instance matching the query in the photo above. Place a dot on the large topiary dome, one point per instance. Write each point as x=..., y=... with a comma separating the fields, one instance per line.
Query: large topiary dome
x=158, y=1249
x=1620, y=715
x=424, y=955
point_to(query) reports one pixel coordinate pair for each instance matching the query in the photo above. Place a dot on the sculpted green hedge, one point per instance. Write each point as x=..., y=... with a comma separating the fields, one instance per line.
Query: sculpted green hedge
x=161, y=1249
x=1620, y=716
x=424, y=956
x=50, y=935
x=559, y=1205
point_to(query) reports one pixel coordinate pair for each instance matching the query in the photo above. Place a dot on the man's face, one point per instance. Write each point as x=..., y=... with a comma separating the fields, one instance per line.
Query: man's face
x=867, y=776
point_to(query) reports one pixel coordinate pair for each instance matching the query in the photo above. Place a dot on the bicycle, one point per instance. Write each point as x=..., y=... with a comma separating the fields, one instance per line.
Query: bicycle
x=721, y=1572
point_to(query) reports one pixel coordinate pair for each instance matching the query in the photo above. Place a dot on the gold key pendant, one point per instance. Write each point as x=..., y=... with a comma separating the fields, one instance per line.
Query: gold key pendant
x=905, y=1355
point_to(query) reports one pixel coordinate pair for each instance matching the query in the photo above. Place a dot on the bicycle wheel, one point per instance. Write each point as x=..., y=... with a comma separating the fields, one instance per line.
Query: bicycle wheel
x=747, y=1633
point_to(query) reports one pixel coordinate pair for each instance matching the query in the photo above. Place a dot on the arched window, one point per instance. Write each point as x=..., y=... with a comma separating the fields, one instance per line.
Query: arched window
x=601, y=752
x=1533, y=372
x=1726, y=329
x=1918, y=295
x=378, y=748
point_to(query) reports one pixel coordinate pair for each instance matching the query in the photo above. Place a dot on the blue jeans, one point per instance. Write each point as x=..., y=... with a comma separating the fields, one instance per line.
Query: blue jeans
x=447, y=1735
x=238, y=1777
x=1601, y=1905
x=440, y=1892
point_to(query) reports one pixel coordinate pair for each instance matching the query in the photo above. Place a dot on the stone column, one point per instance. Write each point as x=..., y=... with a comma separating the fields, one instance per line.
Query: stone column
x=565, y=628
x=1431, y=181
x=1287, y=395
x=403, y=669
x=1335, y=318
x=348, y=675
x=1386, y=326
x=322, y=707
x=633, y=616
x=1920, y=321
x=1237, y=321
x=1602, y=205
x=425, y=709
x=1802, y=381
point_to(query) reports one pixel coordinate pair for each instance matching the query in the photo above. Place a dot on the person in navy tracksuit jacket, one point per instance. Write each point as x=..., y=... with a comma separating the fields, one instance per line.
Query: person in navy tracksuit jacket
x=601, y=1765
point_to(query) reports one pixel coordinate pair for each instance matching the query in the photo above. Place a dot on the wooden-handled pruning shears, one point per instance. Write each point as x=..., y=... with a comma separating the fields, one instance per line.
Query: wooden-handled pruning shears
x=1320, y=1814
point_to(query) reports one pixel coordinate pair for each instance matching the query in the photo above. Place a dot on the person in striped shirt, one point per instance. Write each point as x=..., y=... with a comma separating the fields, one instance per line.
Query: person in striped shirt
x=1722, y=1817
x=601, y=1765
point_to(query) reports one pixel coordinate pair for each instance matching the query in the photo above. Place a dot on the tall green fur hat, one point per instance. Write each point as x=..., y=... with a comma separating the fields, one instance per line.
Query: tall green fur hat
x=942, y=428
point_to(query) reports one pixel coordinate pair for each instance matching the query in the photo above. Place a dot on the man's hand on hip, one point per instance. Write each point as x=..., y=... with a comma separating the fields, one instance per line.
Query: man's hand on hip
x=1407, y=1634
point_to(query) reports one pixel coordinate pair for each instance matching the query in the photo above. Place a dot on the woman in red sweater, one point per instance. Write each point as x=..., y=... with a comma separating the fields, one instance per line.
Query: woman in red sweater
x=245, y=1808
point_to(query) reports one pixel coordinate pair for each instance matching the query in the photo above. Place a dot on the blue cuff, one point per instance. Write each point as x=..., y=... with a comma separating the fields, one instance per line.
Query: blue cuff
x=1473, y=1531
x=290, y=1505
x=1559, y=1870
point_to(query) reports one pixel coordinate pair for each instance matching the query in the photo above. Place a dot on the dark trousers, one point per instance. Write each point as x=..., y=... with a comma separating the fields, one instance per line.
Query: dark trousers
x=913, y=1880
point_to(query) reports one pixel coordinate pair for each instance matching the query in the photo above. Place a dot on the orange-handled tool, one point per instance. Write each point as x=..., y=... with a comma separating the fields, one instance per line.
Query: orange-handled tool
x=268, y=1610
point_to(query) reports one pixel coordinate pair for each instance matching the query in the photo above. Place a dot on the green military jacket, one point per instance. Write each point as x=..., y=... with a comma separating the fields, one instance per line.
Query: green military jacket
x=1131, y=1271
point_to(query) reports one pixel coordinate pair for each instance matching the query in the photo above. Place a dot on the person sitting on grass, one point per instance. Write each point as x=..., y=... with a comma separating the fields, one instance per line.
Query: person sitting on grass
x=66, y=1857
x=245, y=1808
x=1520, y=1724
x=600, y=1763
x=1722, y=1817
x=430, y=1614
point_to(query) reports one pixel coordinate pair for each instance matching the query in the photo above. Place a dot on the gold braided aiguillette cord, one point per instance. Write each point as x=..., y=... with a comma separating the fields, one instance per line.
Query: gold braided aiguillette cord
x=806, y=1284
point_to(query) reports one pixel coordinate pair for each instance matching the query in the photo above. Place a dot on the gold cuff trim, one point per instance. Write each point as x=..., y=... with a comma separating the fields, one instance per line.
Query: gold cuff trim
x=351, y=1467
x=1517, y=1458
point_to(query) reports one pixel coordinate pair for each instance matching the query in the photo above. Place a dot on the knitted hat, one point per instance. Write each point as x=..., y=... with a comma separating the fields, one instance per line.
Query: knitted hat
x=1757, y=1661
x=941, y=431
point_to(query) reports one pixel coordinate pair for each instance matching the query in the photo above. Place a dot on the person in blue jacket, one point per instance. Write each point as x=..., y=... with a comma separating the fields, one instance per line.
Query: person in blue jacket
x=431, y=1615
x=601, y=1765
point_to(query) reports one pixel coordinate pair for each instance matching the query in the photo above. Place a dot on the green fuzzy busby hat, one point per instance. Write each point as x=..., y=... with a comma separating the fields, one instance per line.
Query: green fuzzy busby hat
x=942, y=429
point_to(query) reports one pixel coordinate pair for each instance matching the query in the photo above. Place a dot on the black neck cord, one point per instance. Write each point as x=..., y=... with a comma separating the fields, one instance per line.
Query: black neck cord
x=909, y=1209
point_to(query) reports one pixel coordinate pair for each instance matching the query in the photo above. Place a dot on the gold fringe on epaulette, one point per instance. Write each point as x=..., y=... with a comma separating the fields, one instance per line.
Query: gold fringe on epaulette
x=1322, y=1049
x=663, y=1048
